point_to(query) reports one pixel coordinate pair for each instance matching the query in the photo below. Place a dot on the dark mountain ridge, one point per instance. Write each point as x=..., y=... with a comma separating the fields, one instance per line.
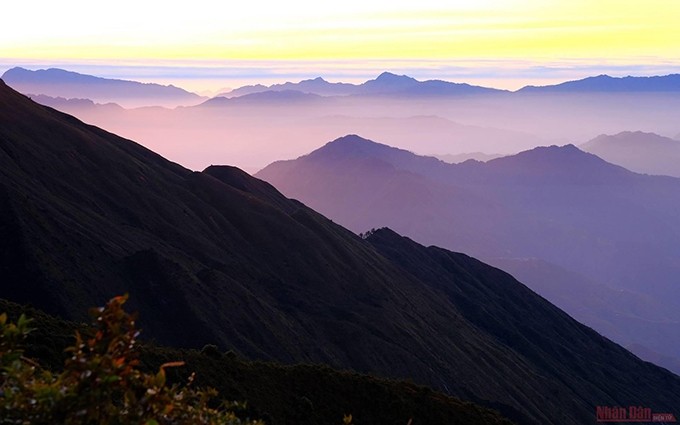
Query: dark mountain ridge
x=219, y=257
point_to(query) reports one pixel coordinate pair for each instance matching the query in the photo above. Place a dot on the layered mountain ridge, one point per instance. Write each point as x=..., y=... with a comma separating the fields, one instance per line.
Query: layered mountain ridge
x=568, y=209
x=55, y=82
x=220, y=257
x=638, y=151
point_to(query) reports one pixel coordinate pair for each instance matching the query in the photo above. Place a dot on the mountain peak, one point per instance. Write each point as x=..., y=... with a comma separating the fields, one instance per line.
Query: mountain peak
x=390, y=78
x=390, y=75
x=351, y=145
x=553, y=153
x=638, y=151
x=567, y=164
x=641, y=137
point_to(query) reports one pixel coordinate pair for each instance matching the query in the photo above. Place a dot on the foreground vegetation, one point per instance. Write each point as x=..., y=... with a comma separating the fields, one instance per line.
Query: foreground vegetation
x=101, y=382
x=108, y=377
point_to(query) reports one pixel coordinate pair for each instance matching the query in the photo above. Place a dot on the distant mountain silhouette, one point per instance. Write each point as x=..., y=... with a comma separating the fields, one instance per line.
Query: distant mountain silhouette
x=56, y=82
x=560, y=205
x=391, y=84
x=462, y=157
x=605, y=83
x=317, y=86
x=385, y=84
x=267, y=97
x=63, y=104
x=220, y=257
x=641, y=152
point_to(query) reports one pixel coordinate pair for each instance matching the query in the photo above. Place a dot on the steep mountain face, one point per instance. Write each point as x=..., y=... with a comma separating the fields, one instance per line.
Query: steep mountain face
x=638, y=151
x=556, y=204
x=607, y=84
x=56, y=82
x=220, y=257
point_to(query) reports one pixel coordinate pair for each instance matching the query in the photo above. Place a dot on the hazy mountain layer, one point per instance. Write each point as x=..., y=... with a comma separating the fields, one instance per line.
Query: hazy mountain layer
x=249, y=131
x=607, y=84
x=386, y=84
x=221, y=257
x=641, y=152
x=56, y=82
x=559, y=205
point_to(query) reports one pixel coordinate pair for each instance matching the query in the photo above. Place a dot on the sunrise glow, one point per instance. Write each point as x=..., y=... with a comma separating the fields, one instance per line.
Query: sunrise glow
x=515, y=34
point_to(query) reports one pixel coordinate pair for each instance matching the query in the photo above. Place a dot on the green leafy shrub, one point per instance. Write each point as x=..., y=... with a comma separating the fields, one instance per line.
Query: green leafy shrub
x=101, y=382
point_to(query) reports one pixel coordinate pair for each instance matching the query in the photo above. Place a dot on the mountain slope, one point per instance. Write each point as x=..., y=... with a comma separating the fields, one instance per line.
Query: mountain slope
x=638, y=151
x=279, y=394
x=219, y=257
x=555, y=204
x=56, y=82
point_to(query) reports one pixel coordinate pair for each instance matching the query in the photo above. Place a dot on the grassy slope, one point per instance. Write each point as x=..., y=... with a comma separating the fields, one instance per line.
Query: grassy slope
x=300, y=394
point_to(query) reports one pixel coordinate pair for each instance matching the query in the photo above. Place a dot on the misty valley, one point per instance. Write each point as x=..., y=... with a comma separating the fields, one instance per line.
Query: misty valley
x=401, y=250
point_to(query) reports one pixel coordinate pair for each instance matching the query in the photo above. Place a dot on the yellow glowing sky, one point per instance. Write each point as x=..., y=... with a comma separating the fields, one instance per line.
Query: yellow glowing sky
x=198, y=32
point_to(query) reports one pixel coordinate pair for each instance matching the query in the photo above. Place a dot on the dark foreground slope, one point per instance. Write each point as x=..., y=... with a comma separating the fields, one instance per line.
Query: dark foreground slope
x=299, y=394
x=219, y=257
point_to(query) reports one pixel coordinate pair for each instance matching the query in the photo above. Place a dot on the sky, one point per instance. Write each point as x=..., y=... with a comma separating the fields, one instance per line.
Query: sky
x=210, y=45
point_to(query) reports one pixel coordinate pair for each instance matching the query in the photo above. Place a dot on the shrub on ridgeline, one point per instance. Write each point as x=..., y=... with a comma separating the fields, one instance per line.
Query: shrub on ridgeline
x=101, y=382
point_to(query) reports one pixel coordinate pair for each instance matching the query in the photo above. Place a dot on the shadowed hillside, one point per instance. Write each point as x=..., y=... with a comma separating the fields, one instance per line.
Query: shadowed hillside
x=300, y=394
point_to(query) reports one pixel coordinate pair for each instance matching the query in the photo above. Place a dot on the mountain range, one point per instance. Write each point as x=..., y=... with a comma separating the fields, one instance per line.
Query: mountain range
x=220, y=257
x=638, y=151
x=55, y=82
x=386, y=84
x=583, y=220
x=248, y=130
x=607, y=84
